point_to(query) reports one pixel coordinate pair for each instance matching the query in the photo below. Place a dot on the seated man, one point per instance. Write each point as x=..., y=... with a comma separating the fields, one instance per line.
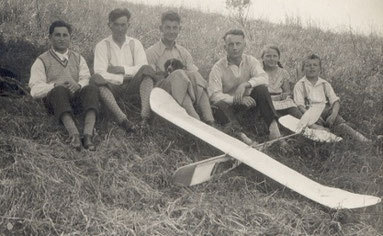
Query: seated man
x=238, y=82
x=60, y=77
x=186, y=86
x=121, y=69
x=312, y=89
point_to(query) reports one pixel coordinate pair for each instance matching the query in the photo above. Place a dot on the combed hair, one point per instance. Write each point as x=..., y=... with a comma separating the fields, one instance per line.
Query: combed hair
x=171, y=16
x=234, y=32
x=119, y=12
x=312, y=57
x=59, y=23
x=274, y=47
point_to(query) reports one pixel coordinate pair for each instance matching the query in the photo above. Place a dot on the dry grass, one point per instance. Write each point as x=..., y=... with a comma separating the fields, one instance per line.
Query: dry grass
x=124, y=188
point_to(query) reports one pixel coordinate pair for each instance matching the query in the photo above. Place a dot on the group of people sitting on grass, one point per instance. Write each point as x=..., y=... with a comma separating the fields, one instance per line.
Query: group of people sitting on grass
x=61, y=78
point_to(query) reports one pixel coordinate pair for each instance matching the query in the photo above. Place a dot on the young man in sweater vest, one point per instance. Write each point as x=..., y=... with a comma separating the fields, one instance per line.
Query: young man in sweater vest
x=122, y=69
x=236, y=82
x=60, y=77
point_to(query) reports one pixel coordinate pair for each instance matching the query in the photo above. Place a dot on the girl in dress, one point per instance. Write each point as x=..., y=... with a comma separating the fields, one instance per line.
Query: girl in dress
x=279, y=82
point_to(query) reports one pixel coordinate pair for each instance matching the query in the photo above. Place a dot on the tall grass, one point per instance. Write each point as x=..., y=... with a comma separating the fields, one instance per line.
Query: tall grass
x=124, y=188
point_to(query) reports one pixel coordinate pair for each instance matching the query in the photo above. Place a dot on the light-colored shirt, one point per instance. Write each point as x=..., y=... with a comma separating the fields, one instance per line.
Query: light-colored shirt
x=158, y=54
x=276, y=80
x=131, y=61
x=38, y=80
x=315, y=93
x=225, y=77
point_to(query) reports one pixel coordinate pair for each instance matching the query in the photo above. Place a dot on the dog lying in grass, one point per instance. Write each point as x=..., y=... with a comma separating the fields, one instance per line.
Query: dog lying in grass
x=172, y=65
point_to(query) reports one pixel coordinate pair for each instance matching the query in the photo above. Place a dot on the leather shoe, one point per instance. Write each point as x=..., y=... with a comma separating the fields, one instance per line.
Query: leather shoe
x=88, y=143
x=127, y=125
x=75, y=142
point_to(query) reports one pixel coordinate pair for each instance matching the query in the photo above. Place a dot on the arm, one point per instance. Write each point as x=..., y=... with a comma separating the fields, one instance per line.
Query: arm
x=84, y=74
x=330, y=94
x=215, y=87
x=152, y=57
x=258, y=75
x=298, y=97
x=38, y=80
x=189, y=62
x=334, y=113
x=139, y=59
x=101, y=64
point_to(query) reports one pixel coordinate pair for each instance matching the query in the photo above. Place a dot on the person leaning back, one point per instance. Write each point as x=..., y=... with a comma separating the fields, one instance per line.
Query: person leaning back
x=60, y=77
x=186, y=85
x=121, y=68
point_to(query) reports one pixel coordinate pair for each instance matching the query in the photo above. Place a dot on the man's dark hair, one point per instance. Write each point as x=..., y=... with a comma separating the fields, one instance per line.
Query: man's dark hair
x=119, y=12
x=234, y=32
x=312, y=57
x=59, y=23
x=171, y=16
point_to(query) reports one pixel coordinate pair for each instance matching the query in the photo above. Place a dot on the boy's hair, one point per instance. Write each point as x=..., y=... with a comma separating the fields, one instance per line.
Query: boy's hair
x=312, y=57
x=234, y=32
x=171, y=16
x=59, y=23
x=274, y=47
x=119, y=12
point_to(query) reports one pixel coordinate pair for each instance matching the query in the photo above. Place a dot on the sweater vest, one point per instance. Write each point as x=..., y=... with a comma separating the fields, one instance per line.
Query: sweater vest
x=56, y=69
x=230, y=82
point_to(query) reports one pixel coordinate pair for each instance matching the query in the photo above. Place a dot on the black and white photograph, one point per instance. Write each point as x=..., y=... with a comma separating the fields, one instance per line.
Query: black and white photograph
x=191, y=117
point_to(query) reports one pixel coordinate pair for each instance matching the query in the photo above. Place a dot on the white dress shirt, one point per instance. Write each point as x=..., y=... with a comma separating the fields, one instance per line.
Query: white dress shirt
x=131, y=61
x=315, y=93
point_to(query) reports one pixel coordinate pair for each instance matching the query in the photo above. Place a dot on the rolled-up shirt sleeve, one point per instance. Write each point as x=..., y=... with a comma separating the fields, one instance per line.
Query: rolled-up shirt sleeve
x=101, y=64
x=258, y=75
x=152, y=57
x=189, y=62
x=140, y=59
x=84, y=74
x=330, y=93
x=215, y=87
x=38, y=80
x=298, y=94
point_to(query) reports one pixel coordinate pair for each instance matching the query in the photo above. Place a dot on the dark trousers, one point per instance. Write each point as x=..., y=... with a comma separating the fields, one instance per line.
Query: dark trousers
x=131, y=87
x=59, y=101
x=327, y=112
x=228, y=113
x=294, y=111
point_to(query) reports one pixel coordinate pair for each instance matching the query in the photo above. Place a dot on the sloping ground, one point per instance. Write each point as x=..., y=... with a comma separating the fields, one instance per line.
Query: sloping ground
x=124, y=188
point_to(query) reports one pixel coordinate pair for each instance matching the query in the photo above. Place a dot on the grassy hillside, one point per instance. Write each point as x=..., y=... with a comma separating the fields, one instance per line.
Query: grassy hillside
x=124, y=188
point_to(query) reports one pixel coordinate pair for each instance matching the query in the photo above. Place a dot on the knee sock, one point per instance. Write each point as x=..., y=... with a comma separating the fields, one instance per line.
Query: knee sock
x=188, y=105
x=205, y=108
x=345, y=129
x=145, y=89
x=69, y=124
x=110, y=102
x=90, y=120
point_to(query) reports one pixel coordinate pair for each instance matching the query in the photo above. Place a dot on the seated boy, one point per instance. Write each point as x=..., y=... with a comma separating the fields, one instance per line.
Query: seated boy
x=312, y=89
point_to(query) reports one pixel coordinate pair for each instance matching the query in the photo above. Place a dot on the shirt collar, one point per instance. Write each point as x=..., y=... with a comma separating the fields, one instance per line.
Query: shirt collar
x=127, y=40
x=62, y=56
x=320, y=81
x=162, y=46
x=227, y=63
